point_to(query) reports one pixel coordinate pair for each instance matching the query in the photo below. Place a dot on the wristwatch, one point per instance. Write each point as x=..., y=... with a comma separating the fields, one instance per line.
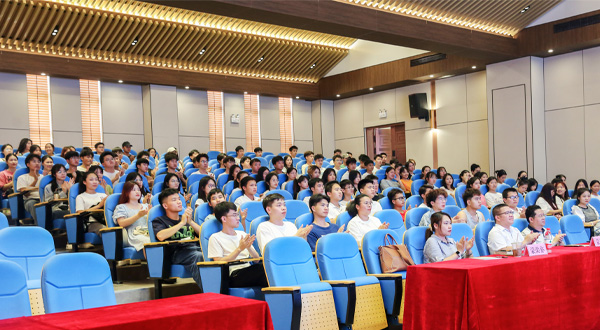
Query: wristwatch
x=458, y=254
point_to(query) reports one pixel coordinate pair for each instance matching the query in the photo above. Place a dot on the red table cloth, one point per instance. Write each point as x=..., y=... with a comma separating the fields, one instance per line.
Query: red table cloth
x=198, y=311
x=558, y=291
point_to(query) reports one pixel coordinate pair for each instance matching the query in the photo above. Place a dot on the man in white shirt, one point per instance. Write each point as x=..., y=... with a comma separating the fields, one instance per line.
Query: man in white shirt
x=274, y=205
x=335, y=194
x=278, y=164
x=511, y=199
x=378, y=162
x=504, y=234
x=107, y=159
x=351, y=165
x=309, y=156
x=293, y=151
x=201, y=163
x=319, y=162
x=316, y=186
x=337, y=163
x=369, y=166
x=336, y=152
x=239, y=153
x=230, y=244
x=248, y=185
x=365, y=186
x=423, y=191
x=537, y=220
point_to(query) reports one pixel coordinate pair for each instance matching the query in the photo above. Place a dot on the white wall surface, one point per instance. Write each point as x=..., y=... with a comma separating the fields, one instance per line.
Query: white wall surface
x=65, y=102
x=15, y=117
x=122, y=115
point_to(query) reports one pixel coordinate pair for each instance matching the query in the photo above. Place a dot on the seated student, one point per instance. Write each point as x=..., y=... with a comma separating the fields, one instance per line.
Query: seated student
x=448, y=184
x=561, y=193
x=483, y=177
x=440, y=246
x=87, y=158
x=6, y=150
x=72, y=158
x=403, y=175
x=313, y=172
x=319, y=162
x=291, y=174
x=441, y=172
x=126, y=146
x=254, y=164
x=354, y=177
x=423, y=191
x=248, y=185
x=133, y=215
x=492, y=198
x=320, y=208
x=171, y=181
x=521, y=187
x=475, y=183
x=172, y=161
x=424, y=170
x=262, y=174
x=328, y=175
x=35, y=149
x=546, y=201
x=351, y=166
x=397, y=199
x=230, y=244
x=119, y=163
x=464, y=178
x=475, y=168
x=334, y=194
x=384, y=158
x=375, y=180
x=154, y=154
x=537, y=220
x=348, y=189
x=146, y=155
x=316, y=186
x=89, y=199
x=58, y=188
x=390, y=180
x=246, y=163
x=293, y=151
x=205, y=185
x=202, y=161
x=369, y=166
x=6, y=176
x=361, y=161
x=47, y=163
x=363, y=221
x=288, y=162
x=522, y=175
x=142, y=165
x=274, y=205
x=309, y=156
x=233, y=172
x=594, y=188
x=238, y=179
x=100, y=173
x=436, y=201
x=470, y=214
x=30, y=183
x=107, y=159
x=377, y=162
x=49, y=148
x=258, y=152
x=430, y=178
x=99, y=148
x=24, y=146
x=532, y=185
x=503, y=234
x=239, y=153
x=173, y=227
x=300, y=184
x=336, y=152
x=216, y=197
x=272, y=181
x=338, y=163
x=137, y=179
x=511, y=199
x=278, y=163
x=585, y=211
x=66, y=149
x=501, y=176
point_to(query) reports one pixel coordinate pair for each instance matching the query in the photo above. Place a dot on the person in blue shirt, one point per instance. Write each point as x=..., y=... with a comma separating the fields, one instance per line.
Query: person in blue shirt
x=319, y=206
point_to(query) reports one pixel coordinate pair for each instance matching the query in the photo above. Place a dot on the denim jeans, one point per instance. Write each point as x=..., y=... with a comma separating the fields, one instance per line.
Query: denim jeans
x=188, y=255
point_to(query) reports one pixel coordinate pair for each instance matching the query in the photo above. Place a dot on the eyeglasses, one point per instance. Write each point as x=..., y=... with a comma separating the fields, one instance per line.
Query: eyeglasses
x=512, y=197
x=506, y=213
x=234, y=215
x=367, y=203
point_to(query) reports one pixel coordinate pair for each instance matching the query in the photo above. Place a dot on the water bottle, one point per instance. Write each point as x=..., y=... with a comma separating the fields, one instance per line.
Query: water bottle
x=548, y=239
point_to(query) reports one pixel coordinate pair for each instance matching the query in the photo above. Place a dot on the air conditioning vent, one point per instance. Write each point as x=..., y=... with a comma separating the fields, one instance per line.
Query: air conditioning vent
x=427, y=59
x=576, y=23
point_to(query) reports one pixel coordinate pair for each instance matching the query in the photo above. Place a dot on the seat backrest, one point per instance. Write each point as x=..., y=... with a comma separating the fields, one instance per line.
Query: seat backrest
x=305, y=220
x=73, y=281
x=394, y=218
x=568, y=205
x=595, y=202
x=18, y=173
x=486, y=212
x=482, y=231
x=414, y=188
x=510, y=181
x=3, y=221
x=222, y=180
x=414, y=201
x=286, y=195
x=193, y=179
x=289, y=187
x=413, y=216
x=14, y=297
x=208, y=228
x=295, y=209
x=414, y=239
x=416, y=174
x=289, y=269
x=340, y=174
x=521, y=202
x=228, y=188
x=255, y=210
x=531, y=197
x=303, y=194
x=501, y=187
x=387, y=190
x=43, y=183
x=371, y=242
x=74, y=192
x=573, y=227
x=218, y=171
x=338, y=257
x=385, y=203
x=520, y=224
x=157, y=188
x=261, y=187
x=235, y=195
x=29, y=247
x=213, y=154
x=438, y=183
x=459, y=193
x=119, y=187
x=155, y=212
x=553, y=224
x=59, y=160
x=343, y=219
x=109, y=208
x=252, y=227
x=460, y=230
x=450, y=201
x=202, y=211
x=193, y=188
x=452, y=210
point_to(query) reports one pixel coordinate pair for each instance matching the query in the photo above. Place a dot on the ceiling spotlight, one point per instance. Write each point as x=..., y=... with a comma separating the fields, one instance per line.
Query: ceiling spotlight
x=551, y=50
x=202, y=51
x=245, y=93
x=474, y=67
x=135, y=41
x=525, y=9
x=370, y=88
x=187, y=87
x=337, y=95
x=262, y=58
x=55, y=31
x=313, y=65
x=297, y=97
x=430, y=76
x=120, y=81
x=43, y=74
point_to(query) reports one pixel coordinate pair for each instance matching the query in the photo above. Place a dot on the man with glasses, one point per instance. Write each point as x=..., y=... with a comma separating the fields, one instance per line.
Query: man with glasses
x=396, y=197
x=537, y=220
x=503, y=234
x=201, y=163
x=511, y=199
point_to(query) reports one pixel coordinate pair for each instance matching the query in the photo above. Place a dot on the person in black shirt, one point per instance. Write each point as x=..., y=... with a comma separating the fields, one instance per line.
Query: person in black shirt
x=173, y=227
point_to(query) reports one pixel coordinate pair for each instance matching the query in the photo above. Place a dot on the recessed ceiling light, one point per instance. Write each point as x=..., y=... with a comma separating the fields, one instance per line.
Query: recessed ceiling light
x=135, y=41
x=337, y=95
x=55, y=31
x=297, y=97
x=525, y=9
x=446, y=76
x=202, y=51
x=187, y=87
x=313, y=65
x=370, y=88
x=430, y=76
x=550, y=50
x=474, y=67
x=43, y=74
x=120, y=81
x=262, y=58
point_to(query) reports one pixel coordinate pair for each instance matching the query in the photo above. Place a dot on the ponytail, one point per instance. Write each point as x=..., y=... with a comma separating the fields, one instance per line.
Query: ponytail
x=351, y=206
x=436, y=218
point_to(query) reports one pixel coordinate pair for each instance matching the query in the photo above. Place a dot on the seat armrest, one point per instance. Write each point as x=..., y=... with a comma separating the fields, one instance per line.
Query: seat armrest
x=16, y=194
x=112, y=240
x=211, y=263
x=155, y=244
x=111, y=229
x=280, y=289
x=340, y=282
x=42, y=204
x=386, y=276
x=72, y=215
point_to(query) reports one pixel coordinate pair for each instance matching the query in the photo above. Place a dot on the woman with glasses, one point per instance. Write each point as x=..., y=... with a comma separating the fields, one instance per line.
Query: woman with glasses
x=436, y=201
x=204, y=187
x=362, y=222
x=583, y=209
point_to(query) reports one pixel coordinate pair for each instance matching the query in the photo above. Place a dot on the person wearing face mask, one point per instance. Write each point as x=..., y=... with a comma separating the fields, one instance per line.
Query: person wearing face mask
x=440, y=246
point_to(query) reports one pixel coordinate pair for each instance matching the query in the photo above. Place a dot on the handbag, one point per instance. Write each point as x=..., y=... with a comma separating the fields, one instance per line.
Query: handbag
x=394, y=257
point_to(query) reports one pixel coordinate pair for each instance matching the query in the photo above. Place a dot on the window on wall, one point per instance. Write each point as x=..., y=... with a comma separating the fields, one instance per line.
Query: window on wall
x=91, y=114
x=286, y=123
x=252, y=116
x=38, y=103
x=215, y=120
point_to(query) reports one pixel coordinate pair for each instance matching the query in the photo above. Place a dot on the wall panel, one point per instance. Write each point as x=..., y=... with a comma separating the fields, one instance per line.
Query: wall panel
x=235, y=134
x=453, y=147
x=122, y=114
x=372, y=103
x=165, y=122
x=269, y=124
x=451, y=100
x=15, y=116
x=563, y=81
x=591, y=75
x=565, y=143
x=66, y=112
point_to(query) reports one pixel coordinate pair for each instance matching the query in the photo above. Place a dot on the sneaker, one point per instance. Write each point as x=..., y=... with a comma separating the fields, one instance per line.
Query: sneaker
x=122, y=263
x=86, y=246
x=69, y=246
x=135, y=261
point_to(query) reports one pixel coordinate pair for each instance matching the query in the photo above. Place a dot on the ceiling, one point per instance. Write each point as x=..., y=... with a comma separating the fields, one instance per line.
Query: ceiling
x=139, y=33
x=567, y=8
x=503, y=17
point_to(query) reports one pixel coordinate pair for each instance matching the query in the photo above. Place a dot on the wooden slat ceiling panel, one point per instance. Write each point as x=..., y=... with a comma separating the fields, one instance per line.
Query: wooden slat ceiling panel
x=167, y=37
x=503, y=17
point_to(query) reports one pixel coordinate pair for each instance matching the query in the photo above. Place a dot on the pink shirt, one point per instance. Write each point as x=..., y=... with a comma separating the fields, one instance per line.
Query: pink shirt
x=6, y=176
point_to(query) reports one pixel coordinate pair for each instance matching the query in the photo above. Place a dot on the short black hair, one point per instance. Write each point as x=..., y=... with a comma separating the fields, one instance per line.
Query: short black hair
x=308, y=153
x=222, y=209
x=424, y=188
x=315, y=199
x=221, y=156
x=71, y=154
x=350, y=161
x=170, y=156
x=530, y=211
x=238, y=148
x=228, y=159
x=345, y=182
x=142, y=153
x=166, y=193
x=98, y=144
x=86, y=152
x=245, y=181
x=106, y=153
x=200, y=156
x=270, y=199
x=193, y=151
x=378, y=156
x=276, y=159
x=141, y=161
x=329, y=186
x=368, y=162
x=470, y=193
x=362, y=183
x=257, y=149
x=31, y=156
x=292, y=148
x=393, y=192
x=313, y=182
x=254, y=160
x=336, y=157
x=508, y=190
x=319, y=156
x=474, y=167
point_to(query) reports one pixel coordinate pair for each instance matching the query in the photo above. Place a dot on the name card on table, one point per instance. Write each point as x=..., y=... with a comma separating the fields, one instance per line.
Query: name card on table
x=595, y=241
x=536, y=250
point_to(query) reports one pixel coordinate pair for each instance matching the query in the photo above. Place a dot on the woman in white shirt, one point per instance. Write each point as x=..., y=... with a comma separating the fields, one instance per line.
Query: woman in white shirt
x=29, y=184
x=583, y=209
x=133, y=215
x=448, y=184
x=546, y=201
x=561, y=194
x=90, y=200
x=362, y=222
x=493, y=198
x=291, y=176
